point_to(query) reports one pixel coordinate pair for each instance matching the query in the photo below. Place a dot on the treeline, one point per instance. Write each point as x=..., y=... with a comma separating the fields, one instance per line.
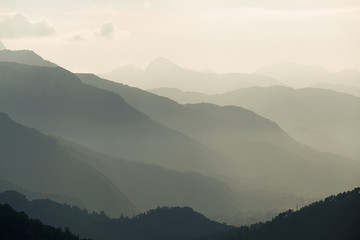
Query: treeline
x=18, y=226
x=336, y=217
x=176, y=223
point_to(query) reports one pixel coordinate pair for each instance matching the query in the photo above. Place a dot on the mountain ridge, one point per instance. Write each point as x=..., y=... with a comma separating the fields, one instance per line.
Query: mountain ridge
x=22, y=168
x=160, y=223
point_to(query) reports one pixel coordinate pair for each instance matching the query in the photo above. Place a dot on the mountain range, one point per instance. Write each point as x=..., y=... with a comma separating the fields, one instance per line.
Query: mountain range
x=163, y=73
x=40, y=163
x=300, y=76
x=320, y=118
x=160, y=223
x=97, y=177
x=55, y=101
x=249, y=161
x=263, y=155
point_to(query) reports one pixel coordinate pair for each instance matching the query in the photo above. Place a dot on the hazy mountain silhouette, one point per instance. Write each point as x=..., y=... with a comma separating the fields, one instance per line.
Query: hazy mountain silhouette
x=161, y=223
x=18, y=226
x=24, y=57
x=2, y=46
x=180, y=96
x=338, y=88
x=149, y=186
x=323, y=119
x=41, y=163
x=264, y=156
x=336, y=217
x=55, y=101
x=129, y=74
x=7, y=186
x=293, y=74
x=164, y=73
x=297, y=75
x=349, y=77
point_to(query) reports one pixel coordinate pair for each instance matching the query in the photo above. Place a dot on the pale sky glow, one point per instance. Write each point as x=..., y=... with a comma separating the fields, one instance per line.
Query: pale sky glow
x=226, y=36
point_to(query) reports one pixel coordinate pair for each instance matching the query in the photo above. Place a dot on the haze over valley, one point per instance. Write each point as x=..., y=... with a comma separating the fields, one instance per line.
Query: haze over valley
x=179, y=120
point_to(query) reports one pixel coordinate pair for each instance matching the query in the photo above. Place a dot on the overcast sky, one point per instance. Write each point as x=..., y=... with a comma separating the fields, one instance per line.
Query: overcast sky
x=222, y=35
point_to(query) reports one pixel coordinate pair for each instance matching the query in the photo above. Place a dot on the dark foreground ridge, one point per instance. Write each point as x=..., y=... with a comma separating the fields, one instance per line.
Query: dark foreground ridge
x=336, y=217
x=18, y=226
x=176, y=223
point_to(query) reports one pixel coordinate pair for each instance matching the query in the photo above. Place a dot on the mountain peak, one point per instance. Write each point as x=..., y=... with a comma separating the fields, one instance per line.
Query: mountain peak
x=24, y=57
x=161, y=65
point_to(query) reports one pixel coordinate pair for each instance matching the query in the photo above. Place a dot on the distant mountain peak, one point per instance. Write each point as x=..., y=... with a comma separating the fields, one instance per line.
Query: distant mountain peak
x=128, y=69
x=161, y=65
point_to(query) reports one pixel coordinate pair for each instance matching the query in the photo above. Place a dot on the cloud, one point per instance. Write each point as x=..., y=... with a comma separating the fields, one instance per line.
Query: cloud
x=107, y=30
x=76, y=38
x=18, y=26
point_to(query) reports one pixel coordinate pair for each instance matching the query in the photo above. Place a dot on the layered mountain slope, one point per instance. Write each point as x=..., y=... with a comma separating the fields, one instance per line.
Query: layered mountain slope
x=323, y=119
x=297, y=75
x=150, y=186
x=338, y=88
x=336, y=217
x=161, y=223
x=263, y=154
x=41, y=163
x=164, y=73
x=44, y=164
x=327, y=120
x=7, y=186
x=55, y=101
x=24, y=57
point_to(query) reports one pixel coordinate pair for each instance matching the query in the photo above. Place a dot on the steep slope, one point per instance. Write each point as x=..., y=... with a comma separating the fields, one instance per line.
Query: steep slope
x=35, y=161
x=24, y=57
x=164, y=73
x=336, y=217
x=264, y=156
x=55, y=101
x=161, y=223
x=18, y=226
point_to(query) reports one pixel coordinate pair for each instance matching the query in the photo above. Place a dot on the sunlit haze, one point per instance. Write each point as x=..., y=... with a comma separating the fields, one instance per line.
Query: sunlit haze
x=224, y=36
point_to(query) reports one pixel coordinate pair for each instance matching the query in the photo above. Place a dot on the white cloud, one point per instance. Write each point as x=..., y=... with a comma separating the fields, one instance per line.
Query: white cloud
x=17, y=25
